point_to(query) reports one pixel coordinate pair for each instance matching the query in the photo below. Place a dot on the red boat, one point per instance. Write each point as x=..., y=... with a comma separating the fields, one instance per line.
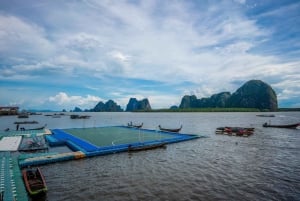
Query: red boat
x=239, y=131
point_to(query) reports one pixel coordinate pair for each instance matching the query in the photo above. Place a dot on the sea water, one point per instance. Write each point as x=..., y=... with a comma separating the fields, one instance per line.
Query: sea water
x=264, y=166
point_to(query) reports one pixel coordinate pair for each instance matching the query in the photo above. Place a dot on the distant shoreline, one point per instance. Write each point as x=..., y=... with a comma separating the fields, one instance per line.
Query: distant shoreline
x=219, y=110
x=198, y=110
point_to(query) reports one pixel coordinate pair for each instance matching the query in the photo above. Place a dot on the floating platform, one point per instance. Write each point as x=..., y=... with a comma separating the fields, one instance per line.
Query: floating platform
x=44, y=131
x=10, y=143
x=235, y=131
x=11, y=181
x=88, y=142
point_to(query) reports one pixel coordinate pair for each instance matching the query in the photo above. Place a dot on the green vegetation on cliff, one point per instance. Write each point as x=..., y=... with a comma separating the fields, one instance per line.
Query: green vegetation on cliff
x=203, y=110
x=253, y=94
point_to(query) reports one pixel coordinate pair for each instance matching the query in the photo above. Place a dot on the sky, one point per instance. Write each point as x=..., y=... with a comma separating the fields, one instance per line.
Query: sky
x=64, y=54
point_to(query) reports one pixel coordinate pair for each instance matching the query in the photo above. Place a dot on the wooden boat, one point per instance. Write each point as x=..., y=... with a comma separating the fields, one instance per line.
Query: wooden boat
x=56, y=116
x=174, y=130
x=293, y=126
x=39, y=128
x=147, y=147
x=238, y=131
x=26, y=122
x=265, y=115
x=34, y=181
x=134, y=125
x=23, y=115
x=76, y=116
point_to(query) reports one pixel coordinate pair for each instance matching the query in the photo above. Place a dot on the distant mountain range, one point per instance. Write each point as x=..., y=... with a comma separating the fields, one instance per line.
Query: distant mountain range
x=253, y=94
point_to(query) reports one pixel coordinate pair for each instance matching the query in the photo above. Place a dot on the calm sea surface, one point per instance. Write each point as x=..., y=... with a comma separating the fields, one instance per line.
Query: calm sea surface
x=264, y=166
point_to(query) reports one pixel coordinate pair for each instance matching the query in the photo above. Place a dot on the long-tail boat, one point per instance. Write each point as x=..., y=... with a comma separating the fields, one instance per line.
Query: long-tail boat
x=135, y=125
x=34, y=181
x=26, y=122
x=265, y=115
x=76, y=116
x=38, y=128
x=293, y=126
x=174, y=130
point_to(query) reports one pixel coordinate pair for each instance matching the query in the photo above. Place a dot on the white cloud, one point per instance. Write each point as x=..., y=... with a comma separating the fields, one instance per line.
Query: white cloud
x=209, y=45
x=19, y=38
x=119, y=57
x=63, y=99
x=240, y=1
x=83, y=42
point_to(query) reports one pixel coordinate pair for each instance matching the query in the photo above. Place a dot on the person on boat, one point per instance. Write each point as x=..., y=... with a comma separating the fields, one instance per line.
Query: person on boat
x=17, y=127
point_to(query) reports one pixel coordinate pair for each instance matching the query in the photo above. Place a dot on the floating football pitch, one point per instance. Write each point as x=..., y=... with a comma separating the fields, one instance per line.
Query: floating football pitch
x=88, y=142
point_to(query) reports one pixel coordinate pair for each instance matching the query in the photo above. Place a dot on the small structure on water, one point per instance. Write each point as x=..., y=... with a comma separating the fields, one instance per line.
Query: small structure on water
x=235, y=131
x=9, y=110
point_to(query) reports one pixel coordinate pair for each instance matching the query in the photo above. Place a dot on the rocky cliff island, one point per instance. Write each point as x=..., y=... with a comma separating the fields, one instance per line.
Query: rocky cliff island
x=253, y=94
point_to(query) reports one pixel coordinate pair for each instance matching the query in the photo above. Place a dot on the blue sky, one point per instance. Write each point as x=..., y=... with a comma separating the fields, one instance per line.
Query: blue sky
x=65, y=54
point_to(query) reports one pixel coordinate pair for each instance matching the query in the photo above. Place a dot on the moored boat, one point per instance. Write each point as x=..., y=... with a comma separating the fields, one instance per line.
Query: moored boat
x=293, y=126
x=135, y=125
x=23, y=115
x=265, y=115
x=38, y=128
x=34, y=181
x=174, y=130
x=26, y=122
x=76, y=116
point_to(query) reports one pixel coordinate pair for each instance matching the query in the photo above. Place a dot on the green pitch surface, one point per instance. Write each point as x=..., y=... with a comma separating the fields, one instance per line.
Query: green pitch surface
x=108, y=136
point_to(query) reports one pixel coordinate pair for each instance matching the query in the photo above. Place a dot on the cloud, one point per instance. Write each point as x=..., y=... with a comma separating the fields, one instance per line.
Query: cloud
x=240, y=1
x=138, y=40
x=19, y=39
x=83, y=42
x=103, y=44
x=119, y=56
x=63, y=99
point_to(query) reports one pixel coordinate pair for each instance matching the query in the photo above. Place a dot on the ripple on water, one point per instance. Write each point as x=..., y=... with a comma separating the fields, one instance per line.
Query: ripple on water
x=265, y=166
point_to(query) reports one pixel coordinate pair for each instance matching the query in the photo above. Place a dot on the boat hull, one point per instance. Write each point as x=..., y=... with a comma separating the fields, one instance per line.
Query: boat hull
x=176, y=130
x=34, y=181
x=292, y=126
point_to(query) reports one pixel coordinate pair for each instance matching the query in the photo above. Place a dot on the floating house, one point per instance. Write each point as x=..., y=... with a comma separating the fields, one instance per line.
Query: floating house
x=9, y=110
